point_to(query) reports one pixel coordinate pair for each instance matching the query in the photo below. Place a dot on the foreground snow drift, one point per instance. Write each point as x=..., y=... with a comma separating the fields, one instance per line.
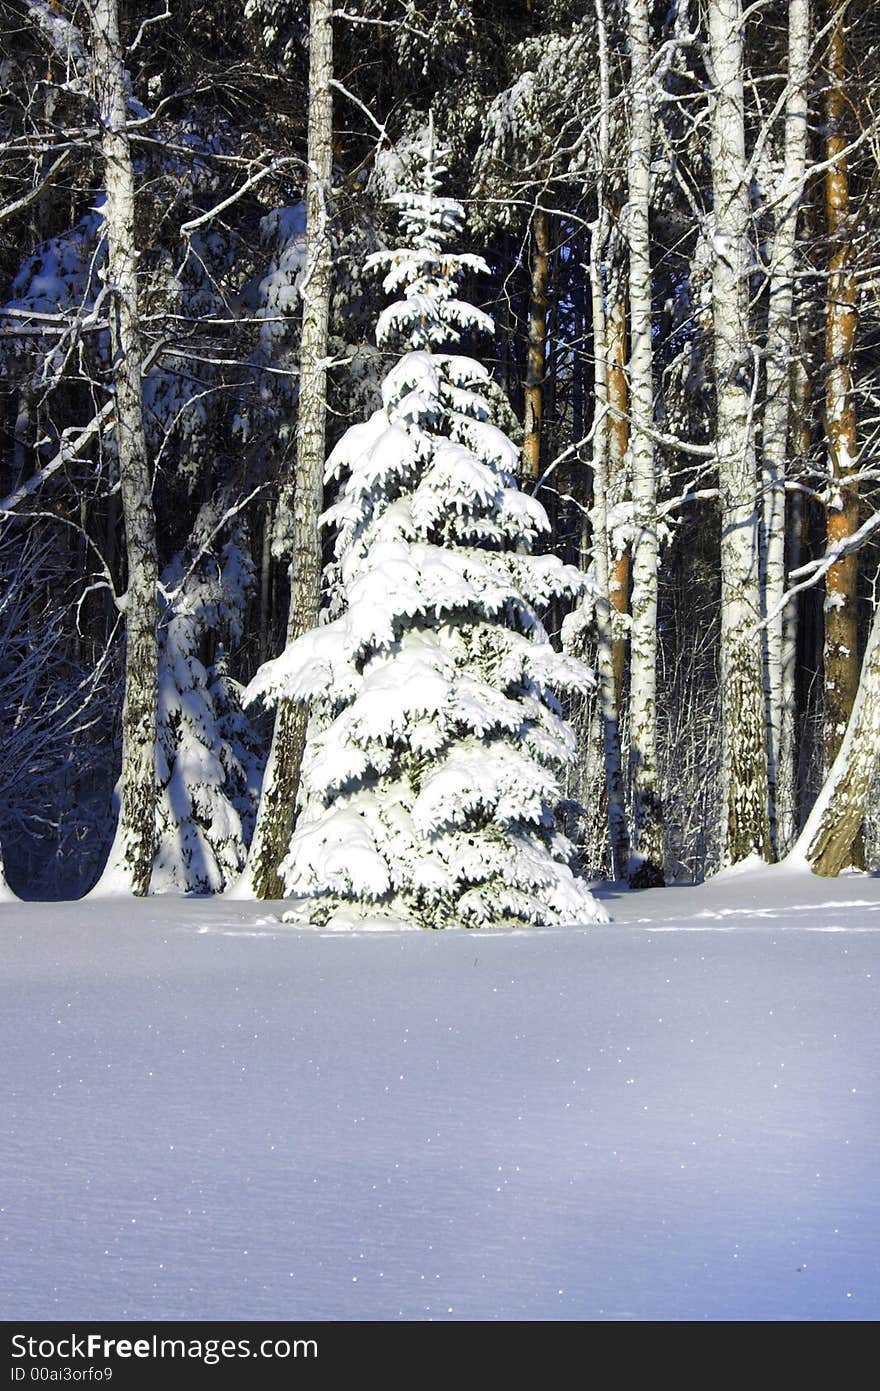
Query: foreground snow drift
x=675, y=1116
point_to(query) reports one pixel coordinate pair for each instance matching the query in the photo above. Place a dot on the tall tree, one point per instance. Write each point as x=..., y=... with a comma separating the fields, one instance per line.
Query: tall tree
x=778, y=425
x=607, y=359
x=277, y=809
x=618, y=461
x=131, y=857
x=432, y=767
x=745, y=820
x=536, y=355
x=647, y=818
x=841, y=657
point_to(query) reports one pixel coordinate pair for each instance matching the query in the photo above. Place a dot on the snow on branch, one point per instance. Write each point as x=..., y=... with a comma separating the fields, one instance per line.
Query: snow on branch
x=64, y=37
x=147, y=24
x=271, y=168
x=73, y=442
x=815, y=570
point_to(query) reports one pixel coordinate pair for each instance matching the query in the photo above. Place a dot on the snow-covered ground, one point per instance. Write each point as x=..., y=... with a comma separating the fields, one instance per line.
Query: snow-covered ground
x=677, y=1116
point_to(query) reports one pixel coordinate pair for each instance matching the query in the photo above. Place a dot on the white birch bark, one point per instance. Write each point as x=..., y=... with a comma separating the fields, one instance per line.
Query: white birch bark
x=277, y=811
x=787, y=798
x=619, y=493
x=617, y=828
x=776, y=417
x=646, y=867
x=745, y=820
x=832, y=828
x=131, y=858
x=788, y=790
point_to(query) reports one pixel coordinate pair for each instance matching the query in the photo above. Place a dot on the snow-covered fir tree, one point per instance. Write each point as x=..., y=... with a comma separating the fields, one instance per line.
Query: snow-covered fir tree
x=208, y=759
x=430, y=775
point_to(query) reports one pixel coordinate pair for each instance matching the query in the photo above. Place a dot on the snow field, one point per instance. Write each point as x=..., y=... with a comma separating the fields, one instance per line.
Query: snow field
x=674, y=1116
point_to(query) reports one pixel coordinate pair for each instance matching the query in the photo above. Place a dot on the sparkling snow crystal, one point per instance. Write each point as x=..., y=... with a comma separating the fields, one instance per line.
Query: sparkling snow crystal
x=431, y=771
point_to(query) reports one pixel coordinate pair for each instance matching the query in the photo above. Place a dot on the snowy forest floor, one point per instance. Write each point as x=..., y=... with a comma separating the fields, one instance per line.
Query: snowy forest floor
x=676, y=1116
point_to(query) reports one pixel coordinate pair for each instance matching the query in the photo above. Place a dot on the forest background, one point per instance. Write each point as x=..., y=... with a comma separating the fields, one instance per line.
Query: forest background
x=677, y=206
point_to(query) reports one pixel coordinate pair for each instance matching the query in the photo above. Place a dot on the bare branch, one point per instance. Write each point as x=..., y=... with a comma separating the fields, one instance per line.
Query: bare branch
x=33, y=194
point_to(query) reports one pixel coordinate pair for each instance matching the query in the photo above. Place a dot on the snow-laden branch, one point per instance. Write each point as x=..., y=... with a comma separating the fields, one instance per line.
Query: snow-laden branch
x=231, y=512
x=700, y=451
x=361, y=107
x=51, y=325
x=815, y=570
x=819, y=166
x=147, y=23
x=272, y=168
x=665, y=509
x=572, y=449
x=73, y=442
x=396, y=24
x=844, y=547
x=63, y=35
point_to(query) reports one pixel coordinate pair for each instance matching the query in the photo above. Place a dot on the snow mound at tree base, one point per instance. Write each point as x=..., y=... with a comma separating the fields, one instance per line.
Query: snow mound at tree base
x=348, y=918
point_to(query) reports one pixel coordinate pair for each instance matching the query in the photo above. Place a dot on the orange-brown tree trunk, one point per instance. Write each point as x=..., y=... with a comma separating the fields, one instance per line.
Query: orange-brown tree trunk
x=537, y=350
x=841, y=608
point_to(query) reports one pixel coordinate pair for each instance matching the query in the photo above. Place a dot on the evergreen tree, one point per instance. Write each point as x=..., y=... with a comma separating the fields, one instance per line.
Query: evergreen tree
x=208, y=762
x=436, y=739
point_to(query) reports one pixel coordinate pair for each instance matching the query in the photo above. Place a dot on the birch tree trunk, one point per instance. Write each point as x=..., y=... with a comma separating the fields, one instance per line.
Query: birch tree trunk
x=788, y=791
x=131, y=858
x=617, y=829
x=776, y=420
x=537, y=346
x=618, y=483
x=646, y=866
x=745, y=821
x=841, y=608
x=834, y=824
x=277, y=810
